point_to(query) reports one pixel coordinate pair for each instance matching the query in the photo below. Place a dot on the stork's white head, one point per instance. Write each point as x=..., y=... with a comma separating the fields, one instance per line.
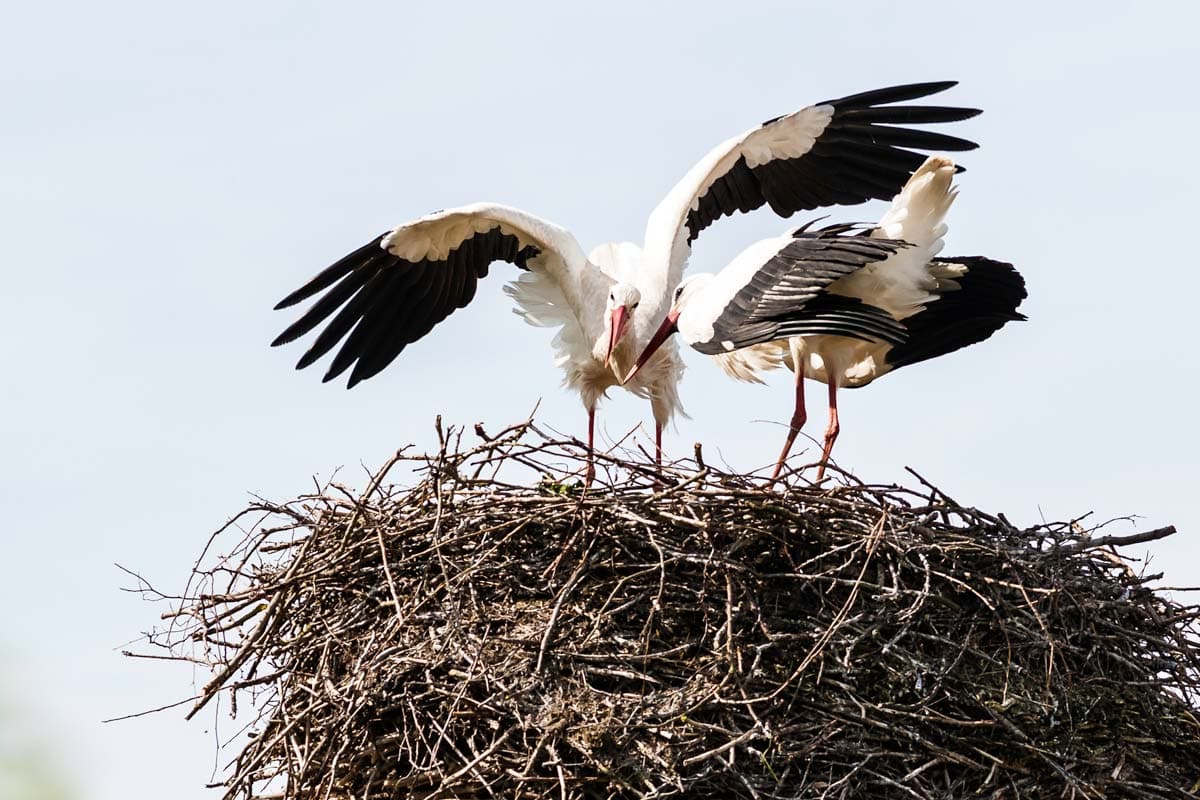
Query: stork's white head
x=685, y=295
x=687, y=291
x=623, y=299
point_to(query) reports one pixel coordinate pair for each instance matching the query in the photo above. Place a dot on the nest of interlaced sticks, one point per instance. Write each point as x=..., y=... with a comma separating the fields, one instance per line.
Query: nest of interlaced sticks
x=495, y=630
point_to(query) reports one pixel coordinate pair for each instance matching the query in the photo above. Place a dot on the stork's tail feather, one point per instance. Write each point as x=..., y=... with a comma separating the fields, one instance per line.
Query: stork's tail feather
x=976, y=297
x=917, y=212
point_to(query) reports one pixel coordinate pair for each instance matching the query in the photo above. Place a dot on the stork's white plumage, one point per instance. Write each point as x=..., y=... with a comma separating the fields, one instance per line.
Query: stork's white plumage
x=393, y=290
x=844, y=306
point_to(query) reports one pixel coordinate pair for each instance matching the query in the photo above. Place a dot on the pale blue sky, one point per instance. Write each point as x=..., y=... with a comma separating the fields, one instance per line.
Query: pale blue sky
x=170, y=171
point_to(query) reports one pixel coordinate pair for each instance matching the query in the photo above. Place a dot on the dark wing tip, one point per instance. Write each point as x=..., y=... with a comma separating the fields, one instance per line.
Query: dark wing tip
x=333, y=273
x=892, y=94
x=309, y=358
x=927, y=87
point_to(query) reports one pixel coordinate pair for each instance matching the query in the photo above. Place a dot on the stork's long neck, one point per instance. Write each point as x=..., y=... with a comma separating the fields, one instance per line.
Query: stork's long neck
x=662, y=263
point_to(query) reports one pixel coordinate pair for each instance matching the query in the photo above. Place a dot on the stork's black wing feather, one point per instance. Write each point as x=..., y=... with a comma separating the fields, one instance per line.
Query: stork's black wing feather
x=786, y=296
x=982, y=296
x=376, y=303
x=863, y=153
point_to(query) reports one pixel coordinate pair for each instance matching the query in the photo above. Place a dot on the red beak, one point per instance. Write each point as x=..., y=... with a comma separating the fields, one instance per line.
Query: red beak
x=616, y=327
x=664, y=332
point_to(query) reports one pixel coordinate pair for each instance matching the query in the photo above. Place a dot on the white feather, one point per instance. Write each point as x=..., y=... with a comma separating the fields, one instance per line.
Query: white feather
x=541, y=302
x=617, y=260
x=903, y=284
x=745, y=364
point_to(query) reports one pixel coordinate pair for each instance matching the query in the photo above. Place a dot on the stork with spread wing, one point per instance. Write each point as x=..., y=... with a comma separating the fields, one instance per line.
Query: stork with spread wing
x=393, y=290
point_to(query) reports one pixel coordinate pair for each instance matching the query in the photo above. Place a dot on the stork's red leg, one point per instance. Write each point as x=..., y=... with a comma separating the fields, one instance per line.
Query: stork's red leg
x=591, y=465
x=798, y=418
x=831, y=432
x=658, y=445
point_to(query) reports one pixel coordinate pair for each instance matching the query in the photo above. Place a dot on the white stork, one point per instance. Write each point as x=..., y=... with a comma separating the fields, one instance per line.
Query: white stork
x=845, y=306
x=392, y=291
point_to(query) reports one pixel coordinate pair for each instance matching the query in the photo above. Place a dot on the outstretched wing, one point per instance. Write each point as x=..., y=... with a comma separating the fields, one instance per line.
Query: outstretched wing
x=392, y=291
x=839, y=152
x=776, y=289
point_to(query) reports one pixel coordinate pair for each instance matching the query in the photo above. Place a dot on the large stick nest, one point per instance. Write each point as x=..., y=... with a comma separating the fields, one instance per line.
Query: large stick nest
x=475, y=635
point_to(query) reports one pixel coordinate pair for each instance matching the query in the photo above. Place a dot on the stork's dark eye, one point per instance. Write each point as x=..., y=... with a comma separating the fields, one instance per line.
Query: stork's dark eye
x=635, y=305
x=678, y=292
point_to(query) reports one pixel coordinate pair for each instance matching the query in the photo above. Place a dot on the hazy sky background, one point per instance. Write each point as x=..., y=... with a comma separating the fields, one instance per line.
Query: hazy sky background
x=170, y=171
